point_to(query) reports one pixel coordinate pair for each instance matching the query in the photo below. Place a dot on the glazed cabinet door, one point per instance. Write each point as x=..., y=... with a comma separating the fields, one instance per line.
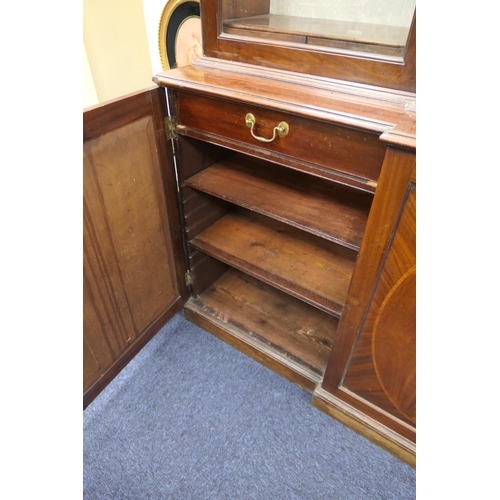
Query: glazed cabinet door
x=373, y=364
x=133, y=255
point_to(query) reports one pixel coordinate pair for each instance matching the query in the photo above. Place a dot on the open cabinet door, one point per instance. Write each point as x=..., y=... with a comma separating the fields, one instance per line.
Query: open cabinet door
x=134, y=263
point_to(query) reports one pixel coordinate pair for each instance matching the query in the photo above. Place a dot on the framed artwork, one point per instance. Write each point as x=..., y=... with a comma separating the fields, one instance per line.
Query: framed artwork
x=179, y=34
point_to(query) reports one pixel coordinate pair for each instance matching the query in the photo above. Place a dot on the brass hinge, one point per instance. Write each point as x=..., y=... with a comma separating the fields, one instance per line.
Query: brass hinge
x=189, y=278
x=170, y=127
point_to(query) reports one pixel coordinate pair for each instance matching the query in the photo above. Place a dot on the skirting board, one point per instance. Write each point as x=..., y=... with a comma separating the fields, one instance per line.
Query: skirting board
x=382, y=436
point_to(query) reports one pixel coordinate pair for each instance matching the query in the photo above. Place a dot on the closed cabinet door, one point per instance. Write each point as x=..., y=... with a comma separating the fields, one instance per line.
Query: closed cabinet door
x=382, y=369
x=371, y=375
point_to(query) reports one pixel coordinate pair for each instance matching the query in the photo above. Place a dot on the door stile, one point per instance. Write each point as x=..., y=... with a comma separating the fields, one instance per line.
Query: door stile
x=167, y=142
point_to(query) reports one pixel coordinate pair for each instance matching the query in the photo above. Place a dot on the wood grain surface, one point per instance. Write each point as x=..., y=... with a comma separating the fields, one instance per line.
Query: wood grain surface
x=130, y=277
x=316, y=206
x=355, y=153
x=305, y=266
x=360, y=67
x=382, y=369
x=372, y=365
x=385, y=111
x=287, y=331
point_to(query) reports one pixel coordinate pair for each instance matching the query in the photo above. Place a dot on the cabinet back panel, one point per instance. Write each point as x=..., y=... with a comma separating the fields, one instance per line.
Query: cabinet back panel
x=195, y=156
x=206, y=270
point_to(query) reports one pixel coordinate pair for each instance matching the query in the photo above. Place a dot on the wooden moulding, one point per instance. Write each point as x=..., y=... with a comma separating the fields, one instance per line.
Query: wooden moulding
x=368, y=427
x=343, y=103
x=357, y=67
x=322, y=208
x=285, y=334
x=314, y=270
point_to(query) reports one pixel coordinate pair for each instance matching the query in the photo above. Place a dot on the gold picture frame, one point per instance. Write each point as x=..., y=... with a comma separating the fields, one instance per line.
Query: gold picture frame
x=175, y=15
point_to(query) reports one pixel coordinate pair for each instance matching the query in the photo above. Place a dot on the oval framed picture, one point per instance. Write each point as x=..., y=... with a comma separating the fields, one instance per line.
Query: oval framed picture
x=179, y=34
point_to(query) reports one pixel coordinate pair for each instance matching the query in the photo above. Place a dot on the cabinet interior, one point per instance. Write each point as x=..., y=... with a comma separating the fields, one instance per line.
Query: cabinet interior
x=271, y=251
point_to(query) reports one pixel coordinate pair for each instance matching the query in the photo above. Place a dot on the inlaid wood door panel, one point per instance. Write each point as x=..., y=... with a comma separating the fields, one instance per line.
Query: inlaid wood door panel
x=373, y=364
x=130, y=275
x=383, y=365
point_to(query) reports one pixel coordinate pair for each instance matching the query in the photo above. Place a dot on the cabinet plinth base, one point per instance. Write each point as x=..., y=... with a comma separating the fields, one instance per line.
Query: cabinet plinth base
x=382, y=436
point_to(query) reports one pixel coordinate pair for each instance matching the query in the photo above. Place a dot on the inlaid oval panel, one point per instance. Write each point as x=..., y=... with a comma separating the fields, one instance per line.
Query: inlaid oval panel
x=394, y=345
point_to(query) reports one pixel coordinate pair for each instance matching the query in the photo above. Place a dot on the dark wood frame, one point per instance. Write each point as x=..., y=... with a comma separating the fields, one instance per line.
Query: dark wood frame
x=359, y=68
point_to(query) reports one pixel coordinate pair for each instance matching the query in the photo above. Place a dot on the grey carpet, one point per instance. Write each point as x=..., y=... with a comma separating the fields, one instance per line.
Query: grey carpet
x=192, y=418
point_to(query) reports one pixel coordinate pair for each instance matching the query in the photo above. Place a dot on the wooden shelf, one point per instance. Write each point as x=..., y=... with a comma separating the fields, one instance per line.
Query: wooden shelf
x=323, y=208
x=303, y=265
x=280, y=331
x=380, y=38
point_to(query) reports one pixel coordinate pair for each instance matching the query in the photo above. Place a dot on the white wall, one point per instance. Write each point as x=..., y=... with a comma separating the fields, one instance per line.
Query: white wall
x=152, y=15
x=89, y=92
x=117, y=48
x=122, y=38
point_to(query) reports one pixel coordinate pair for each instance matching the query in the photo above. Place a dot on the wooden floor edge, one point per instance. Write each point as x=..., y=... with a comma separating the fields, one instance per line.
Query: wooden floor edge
x=299, y=377
x=367, y=427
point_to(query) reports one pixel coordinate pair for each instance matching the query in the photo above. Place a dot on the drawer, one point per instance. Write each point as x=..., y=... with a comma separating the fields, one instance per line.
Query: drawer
x=352, y=153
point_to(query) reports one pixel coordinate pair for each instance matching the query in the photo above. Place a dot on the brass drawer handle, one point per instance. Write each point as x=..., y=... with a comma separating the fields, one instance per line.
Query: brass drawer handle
x=282, y=129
